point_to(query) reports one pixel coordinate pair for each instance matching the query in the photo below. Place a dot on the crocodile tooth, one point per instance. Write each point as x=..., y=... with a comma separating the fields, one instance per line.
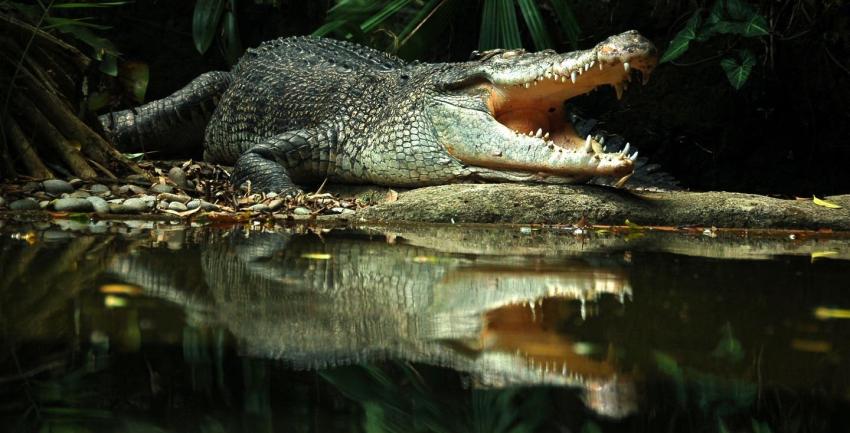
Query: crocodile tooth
x=588, y=146
x=600, y=66
x=626, y=66
x=535, y=82
x=591, y=64
x=625, y=150
x=597, y=148
x=634, y=156
x=531, y=133
x=546, y=136
x=601, y=140
x=526, y=85
x=619, y=88
x=587, y=66
x=573, y=76
x=563, y=78
x=539, y=133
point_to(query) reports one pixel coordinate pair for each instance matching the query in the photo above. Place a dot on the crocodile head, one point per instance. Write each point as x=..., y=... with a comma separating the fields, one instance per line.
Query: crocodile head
x=511, y=106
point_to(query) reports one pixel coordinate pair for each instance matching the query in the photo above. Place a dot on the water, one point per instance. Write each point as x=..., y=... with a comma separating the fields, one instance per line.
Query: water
x=165, y=328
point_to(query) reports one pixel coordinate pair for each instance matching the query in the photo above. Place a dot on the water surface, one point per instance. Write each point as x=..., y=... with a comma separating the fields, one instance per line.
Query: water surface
x=177, y=329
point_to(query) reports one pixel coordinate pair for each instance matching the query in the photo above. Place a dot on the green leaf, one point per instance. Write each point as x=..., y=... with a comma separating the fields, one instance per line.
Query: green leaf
x=756, y=26
x=231, y=44
x=508, y=28
x=109, y=65
x=682, y=40
x=738, y=73
x=567, y=20
x=91, y=5
x=389, y=10
x=58, y=23
x=205, y=23
x=534, y=21
x=488, y=34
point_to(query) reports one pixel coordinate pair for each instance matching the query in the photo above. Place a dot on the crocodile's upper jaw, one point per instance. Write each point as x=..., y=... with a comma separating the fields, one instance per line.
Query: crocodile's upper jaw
x=522, y=126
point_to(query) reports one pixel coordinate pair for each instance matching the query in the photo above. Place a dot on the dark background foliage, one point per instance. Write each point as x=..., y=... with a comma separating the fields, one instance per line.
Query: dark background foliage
x=784, y=131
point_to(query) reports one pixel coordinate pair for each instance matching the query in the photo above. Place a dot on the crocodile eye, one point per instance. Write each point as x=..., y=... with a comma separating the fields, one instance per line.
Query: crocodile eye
x=512, y=53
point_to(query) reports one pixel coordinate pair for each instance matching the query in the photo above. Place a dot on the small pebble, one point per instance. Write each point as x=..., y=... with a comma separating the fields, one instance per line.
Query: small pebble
x=271, y=195
x=99, y=189
x=525, y=230
x=275, y=204
x=100, y=205
x=135, y=189
x=149, y=199
x=348, y=211
x=24, y=204
x=337, y=209
x=135, y=205
x=193, y=204
x=76, y=182
x=57, y=186
x=205, y=205
x=174, y=197
x=162, y=204
x=177, y=206
x=178, y=176
x=301, y=211
x=161, y=187
x=44, y=204
x=73, y=204
x=259, y=207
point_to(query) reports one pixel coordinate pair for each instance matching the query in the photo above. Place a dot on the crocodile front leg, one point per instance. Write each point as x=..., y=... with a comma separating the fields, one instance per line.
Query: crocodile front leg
x=271, y=164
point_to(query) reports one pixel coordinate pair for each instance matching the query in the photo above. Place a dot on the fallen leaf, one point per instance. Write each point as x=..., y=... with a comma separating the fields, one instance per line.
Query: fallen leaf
x=634, y=226
x=825, y=203
x=822, y=254
x=316, y=256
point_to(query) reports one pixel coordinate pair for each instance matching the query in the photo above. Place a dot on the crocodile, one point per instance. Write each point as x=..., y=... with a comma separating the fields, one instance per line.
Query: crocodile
x=299, y=110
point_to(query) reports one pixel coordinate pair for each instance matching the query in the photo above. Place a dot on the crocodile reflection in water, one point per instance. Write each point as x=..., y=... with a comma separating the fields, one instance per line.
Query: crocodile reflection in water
x=319, y=303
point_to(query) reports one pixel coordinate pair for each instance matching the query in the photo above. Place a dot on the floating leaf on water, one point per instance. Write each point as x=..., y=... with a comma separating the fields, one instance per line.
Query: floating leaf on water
x=815, y=346
x=120, y=289
x=825, y=203
x=817, y=255
x=316, y=256
x=111, y=301
x=824, y=313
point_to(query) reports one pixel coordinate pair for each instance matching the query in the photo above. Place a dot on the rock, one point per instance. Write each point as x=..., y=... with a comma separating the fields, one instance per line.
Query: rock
x=57, y=186
x=24, y=204
x=348, y=212
x=162, y=204
x=301, y=211
x=79, y=194
x=177, y=206
x=137, y=177
x=193, y=204
x=275, y=204
x=44, y=204
x=174, y=197
x=259, y=207
x=135, y=205
x=271, y=195
x=100, y=205
x=337, y=209
x=205, y=205
x=99, y=189
x=135, y=189
x=178, y=176
x=161, y=188
x=76, y=182
x=73, y=204
x=149, y=199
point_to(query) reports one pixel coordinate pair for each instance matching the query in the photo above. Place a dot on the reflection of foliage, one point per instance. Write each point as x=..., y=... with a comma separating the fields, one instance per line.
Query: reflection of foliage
x=362, y=20
x=407, y=404
x=726, y=17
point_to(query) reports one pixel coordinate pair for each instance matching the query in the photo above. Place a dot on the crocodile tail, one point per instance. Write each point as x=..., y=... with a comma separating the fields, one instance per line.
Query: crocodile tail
x=173, y=125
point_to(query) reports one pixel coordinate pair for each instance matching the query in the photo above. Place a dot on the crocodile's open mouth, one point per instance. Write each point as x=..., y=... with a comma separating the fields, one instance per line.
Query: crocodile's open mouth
x=528, y=129
x=536, y=107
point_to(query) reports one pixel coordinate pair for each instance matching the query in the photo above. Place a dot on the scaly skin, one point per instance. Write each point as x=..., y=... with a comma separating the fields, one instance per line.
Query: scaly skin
x=303, y=109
